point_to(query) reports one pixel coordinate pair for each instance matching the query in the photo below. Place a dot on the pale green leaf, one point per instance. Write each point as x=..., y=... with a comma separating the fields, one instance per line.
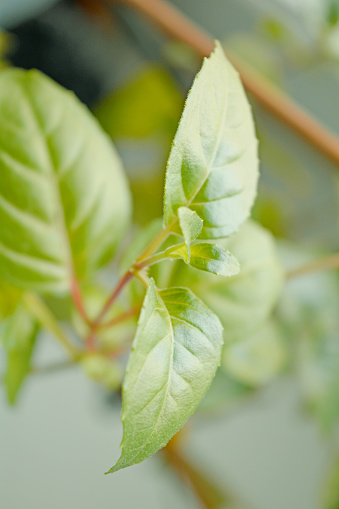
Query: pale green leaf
x=309, y=313
x=18, y=335
x=64, y=200
x=209, y=258
x=173, y=361
x=244, y=301
x=191, y=225
x=213, y=164
x=104, y=371
x=257, y=357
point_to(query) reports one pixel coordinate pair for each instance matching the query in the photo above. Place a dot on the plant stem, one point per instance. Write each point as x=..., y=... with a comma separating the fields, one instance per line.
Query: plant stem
x=176, y=25
x=77, y=299
x=153, y=245
x=121, y=318
x=121, y=284
x=43, y=314
x=325, y=263
x=208, y=494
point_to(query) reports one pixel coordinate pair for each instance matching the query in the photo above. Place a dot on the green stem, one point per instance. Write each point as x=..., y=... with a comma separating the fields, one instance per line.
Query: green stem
x=159, y=257
x=154, y=245
x=325, y=263
x=43, y=314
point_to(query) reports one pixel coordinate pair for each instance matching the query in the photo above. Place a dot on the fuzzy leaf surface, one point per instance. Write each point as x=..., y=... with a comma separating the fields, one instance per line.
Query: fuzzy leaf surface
x=191, y=225
x=64, y=200
x=213, y=165
x=174, y=358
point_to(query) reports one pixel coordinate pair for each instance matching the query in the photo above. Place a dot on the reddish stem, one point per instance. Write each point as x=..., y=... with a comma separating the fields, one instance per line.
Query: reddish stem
x=78, y=300
x=121, y=284
x=121, y=318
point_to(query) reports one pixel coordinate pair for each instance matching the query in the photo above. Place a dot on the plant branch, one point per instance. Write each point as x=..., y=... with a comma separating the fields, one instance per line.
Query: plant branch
x=121, y=318
x=43, y=314
x=208, y=494
x=325, y=263
x=112, y=298
x=153, y=245
x=77, y=299
x=172, y=22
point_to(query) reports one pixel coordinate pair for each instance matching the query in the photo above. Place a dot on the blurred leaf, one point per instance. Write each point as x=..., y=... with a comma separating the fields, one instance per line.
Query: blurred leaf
x=18, y=335
x=9, y=298
x=213, y=165
x=331, y=492
x=308, y=311
x=150, y=103
x=333, y=13
x=256, y=358
x=107, y=372
x=173, y=361
x=64, y=202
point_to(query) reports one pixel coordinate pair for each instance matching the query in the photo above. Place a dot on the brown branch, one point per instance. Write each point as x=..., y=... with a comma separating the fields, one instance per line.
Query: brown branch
x=172, y=22
x=207, y=493
x=120, y=318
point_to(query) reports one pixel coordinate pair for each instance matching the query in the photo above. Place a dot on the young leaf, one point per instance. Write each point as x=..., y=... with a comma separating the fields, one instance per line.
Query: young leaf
x=191, y=225
x=64, y=201
x=18, y=335
x=213, y=164
x=173, y=361
x=242, y=302
x=209, y=258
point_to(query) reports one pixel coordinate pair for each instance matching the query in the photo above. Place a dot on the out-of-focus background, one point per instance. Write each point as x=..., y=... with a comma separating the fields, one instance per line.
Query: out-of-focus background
x=272, y=449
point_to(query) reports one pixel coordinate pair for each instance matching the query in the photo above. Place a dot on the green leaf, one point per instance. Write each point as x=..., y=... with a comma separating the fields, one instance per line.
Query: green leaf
x=150, y=103
x=191, y=225
x=173, y=361
x=64, y=201
x=18, y=336
x=101, y=369
x=308, y=311
x=244, y=301
x=209, y=258
x=256, y=358
x=213, y=164
x=9, y=298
